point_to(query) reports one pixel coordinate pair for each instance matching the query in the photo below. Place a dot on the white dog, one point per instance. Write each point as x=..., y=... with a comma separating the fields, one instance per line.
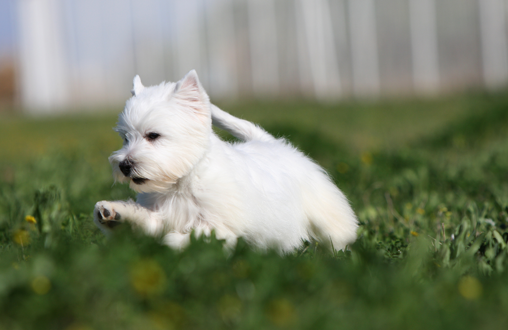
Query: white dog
x=263, y=190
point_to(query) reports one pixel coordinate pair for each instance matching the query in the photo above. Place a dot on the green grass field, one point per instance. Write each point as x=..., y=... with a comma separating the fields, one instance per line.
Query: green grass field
x=428, y=180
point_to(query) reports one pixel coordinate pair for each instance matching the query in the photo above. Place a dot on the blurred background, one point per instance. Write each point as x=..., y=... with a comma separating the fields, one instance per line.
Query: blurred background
x=77, y=55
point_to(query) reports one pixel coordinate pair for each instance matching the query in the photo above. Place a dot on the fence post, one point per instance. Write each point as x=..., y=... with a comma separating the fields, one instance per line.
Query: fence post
x=264, y=55
x=364, y=54
x=422, y=16
x=189, y=38
x=493, y=41
x=220, y=27
x=321, y=50
x=42, y=58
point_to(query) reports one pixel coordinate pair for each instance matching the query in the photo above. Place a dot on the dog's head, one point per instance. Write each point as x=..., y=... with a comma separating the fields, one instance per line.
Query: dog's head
x=166, y=130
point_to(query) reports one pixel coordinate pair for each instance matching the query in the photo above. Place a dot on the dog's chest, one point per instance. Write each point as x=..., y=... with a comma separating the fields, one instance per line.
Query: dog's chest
x=179, y=211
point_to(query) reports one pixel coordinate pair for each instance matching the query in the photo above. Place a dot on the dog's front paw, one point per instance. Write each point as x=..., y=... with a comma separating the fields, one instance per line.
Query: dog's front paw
x=106, y=216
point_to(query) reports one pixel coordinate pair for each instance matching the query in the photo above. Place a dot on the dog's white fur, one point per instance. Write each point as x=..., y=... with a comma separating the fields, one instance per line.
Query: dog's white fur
x=263, y=189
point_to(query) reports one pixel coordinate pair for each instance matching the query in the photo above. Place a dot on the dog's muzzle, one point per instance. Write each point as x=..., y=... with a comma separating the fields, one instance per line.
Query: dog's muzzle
x=126, y=166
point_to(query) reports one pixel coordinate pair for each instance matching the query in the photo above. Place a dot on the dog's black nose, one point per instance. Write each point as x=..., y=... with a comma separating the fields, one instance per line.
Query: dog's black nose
x=125, y=166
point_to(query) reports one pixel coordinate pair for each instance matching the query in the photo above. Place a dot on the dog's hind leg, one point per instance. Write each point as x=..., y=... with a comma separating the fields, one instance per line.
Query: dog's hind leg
x=177, y=241
x=239, y=128
x=331, y=217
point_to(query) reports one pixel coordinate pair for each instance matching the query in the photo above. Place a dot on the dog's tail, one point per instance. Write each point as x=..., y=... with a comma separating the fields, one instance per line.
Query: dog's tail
x=239, y=128
x=332, y=220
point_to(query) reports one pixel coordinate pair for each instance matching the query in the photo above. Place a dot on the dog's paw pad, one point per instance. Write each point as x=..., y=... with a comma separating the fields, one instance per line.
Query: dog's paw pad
x=107, y=216
x=106, y=213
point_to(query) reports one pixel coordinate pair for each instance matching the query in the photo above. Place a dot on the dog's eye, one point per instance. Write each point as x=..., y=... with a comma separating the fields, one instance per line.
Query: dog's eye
x=152, y=136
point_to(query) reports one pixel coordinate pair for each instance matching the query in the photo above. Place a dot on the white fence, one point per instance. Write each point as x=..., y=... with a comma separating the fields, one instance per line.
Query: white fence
x=83, y=53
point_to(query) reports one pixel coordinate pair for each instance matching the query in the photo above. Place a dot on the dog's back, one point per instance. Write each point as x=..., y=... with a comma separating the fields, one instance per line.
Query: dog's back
x=303, y=203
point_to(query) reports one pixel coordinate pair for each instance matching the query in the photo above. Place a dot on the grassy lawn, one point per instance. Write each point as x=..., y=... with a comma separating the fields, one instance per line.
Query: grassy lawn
x=428, y=180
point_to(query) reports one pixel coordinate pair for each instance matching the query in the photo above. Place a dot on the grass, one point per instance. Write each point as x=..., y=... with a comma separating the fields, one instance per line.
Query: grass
x=428, y=180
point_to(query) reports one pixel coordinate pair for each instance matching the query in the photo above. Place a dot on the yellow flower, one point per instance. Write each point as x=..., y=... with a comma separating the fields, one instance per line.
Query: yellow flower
x=41, y=285
x=30, y=219
x=366, y=158
x=414, y=233
x=420, y=211
x=470, y=288
x=281, y=312
x=342, y=168
x=21, y=237
x=147, y=277
x=230, y=307
x=241, y=269
x=77, y=326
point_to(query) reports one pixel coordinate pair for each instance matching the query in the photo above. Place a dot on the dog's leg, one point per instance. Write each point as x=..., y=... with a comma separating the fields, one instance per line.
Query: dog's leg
x=177, y=241
x=108, y=215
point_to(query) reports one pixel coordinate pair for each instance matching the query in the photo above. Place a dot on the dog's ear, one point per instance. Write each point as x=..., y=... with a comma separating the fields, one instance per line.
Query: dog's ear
x=137, y=86
x=190, y=93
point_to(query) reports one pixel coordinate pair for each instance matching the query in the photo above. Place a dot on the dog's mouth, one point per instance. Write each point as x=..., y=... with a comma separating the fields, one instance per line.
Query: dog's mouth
x=139, y=180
